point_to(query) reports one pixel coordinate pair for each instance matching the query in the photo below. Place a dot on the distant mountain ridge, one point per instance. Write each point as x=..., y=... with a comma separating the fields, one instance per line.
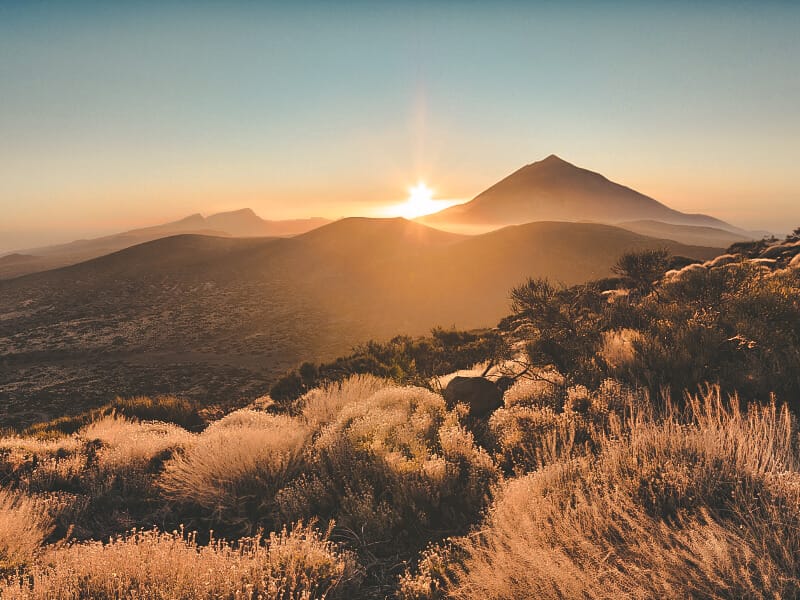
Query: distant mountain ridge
x=686, y=234
x=556, y=190
x=239, y=223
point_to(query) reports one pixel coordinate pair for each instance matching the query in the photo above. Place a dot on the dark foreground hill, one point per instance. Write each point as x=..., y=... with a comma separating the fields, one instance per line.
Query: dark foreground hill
x=218, y=318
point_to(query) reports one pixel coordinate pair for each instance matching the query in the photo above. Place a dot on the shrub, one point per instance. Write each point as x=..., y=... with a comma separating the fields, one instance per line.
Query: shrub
x=321, y=406
x=396, y=469
x=403, y=359
x=24, y=524
x=229, y=476
x=300, y=564
x=530, y=437
x=706, y=506
x=130, y=445
x=437, y=565
x=642, y=268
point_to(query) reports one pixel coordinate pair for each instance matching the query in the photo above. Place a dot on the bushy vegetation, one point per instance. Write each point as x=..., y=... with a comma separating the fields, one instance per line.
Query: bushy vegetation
x=705, y=505
x=395, y=470
x=733, y=321
x=403, y=359
x=599, y=477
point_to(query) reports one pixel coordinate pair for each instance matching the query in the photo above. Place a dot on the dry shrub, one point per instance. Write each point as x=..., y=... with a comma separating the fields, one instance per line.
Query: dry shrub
x=24, y=524
x=98, y=481
x=233, y=469
x=704, y=506
x=321, y=406
x=23, y=458
x=395, y=469
x=618, y=347
x=130, y=444
x=543, y=389
x=527, y=438
x=437, y=565
x=301, y=564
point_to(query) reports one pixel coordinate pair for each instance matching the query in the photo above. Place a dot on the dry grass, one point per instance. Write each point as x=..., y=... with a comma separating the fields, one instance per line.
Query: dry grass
x=131, y=444
x=609, y=499
x=618, y=347
x=300, y=564
x=321, y=406
x=704, y=506
x=395, y=467
x=24, y=524
x=234, y=468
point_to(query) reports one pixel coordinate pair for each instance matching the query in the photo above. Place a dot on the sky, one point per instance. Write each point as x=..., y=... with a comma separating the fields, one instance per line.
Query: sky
x=118, y=115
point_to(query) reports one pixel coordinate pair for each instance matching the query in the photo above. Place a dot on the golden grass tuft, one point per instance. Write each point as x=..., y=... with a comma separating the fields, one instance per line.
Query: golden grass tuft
x=298, y=564
x=233, y=469
x=24, y=524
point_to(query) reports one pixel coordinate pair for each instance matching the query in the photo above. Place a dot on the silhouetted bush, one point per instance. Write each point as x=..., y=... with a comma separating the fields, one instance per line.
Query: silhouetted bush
x=403, y=359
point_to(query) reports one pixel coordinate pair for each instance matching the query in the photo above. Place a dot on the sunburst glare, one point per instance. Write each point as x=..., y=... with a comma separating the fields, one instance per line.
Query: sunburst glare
x=420, y=202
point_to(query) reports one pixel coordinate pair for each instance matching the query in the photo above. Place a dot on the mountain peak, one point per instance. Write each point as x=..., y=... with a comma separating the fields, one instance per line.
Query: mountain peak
x=553, y=189
x=242, y=212
x=552, y=160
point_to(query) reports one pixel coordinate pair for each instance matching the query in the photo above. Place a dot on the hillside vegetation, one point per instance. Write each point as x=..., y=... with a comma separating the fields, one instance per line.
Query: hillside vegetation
x=649, y=448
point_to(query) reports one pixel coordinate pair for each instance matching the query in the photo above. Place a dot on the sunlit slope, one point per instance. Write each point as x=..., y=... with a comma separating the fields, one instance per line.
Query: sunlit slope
x=217, y=318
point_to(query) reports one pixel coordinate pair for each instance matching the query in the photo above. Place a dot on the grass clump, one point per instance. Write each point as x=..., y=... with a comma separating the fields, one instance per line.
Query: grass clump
x=229, y=476
x=297, y=564
x=396, y=469
x=24, y=525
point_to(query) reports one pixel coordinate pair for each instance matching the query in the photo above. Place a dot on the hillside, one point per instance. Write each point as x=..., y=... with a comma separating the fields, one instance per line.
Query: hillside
x=590, y=431
x=129, y=323
x=687, y=234
x=240, y=223
x=555, y=190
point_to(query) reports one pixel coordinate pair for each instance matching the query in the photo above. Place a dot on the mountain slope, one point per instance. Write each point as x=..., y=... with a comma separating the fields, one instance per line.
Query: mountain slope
x=216, y=319
x=555, y=190
x=686, y=234
x=240, y=223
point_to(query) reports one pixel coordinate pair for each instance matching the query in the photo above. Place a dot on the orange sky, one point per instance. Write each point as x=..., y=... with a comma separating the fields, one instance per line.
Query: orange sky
x=122, y=115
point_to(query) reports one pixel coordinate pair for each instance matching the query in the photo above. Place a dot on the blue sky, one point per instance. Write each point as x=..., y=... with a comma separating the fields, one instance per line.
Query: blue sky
x=116, y=115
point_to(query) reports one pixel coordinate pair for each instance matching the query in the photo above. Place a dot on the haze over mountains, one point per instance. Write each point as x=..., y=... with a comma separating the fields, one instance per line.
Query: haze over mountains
x=216, y=319
x=548, y=190
x=555, y=190
x=239, y=223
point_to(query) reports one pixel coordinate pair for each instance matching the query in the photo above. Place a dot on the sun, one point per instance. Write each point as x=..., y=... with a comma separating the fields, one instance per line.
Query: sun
x=420, y=202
